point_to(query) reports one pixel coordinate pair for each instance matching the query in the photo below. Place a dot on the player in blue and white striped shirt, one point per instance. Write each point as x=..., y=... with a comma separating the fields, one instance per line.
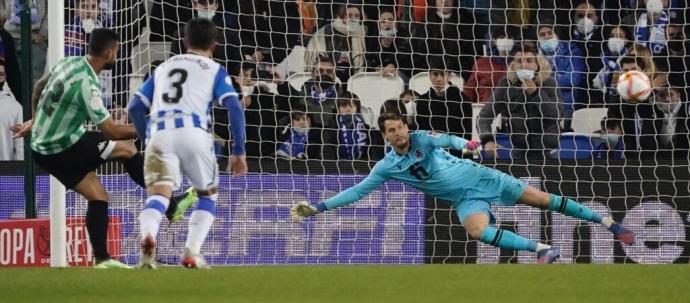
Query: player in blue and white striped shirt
x=180, y=96
x=420, y=160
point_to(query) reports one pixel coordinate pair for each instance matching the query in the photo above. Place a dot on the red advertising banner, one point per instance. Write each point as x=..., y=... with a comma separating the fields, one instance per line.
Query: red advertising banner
x=27, y=242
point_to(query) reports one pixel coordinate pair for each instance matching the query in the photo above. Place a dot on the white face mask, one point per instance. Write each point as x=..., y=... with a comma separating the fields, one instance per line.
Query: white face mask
x=206, y=14
x=388, y=33
x=585, y=25
x=504, y=44
x=88, y=25
x=549, y=46
x=353, y=25
x=525, y=73
x=411, y=108
x=655, y=6
x=247, y=90
x=442, y=15
x=300, y=131
x=616, y=45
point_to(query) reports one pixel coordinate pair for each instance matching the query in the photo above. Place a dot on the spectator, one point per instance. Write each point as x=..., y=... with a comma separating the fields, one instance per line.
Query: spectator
x=674, y=59
x=409, y=98
x=488, y=70
x=387, y=50
x=650, y=29
x=300, y=140
x=353, y=131
x=39, y=35
x=10, y=115
x=269, y=28
x=342, y=40
x=618, y=43
x=8, y=54
x=586, y=30
x=226, y=52
x=439, y=39
x=658, y=78
x=611, y=147
x=568, y=66
x=528, y=101
x=444, y=108
x=88, y=16
x=319, y=93
x=627, y=112
x=665, y=127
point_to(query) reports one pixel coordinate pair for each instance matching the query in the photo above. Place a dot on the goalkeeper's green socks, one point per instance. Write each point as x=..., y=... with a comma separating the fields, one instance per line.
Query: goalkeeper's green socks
x=509, y=240
x=571, y=208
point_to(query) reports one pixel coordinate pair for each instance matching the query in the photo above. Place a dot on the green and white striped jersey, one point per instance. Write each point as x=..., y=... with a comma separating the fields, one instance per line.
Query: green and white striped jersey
x=71, y=97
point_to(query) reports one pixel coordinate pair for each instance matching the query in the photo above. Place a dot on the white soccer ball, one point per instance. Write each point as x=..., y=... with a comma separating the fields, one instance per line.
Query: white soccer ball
x=634, y=86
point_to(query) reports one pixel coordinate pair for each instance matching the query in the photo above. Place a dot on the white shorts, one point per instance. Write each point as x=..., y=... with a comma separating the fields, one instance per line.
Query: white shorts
x=173, y=152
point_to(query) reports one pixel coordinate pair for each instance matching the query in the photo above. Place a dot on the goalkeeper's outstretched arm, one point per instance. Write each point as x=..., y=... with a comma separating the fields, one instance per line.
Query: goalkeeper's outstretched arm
x=303, y=209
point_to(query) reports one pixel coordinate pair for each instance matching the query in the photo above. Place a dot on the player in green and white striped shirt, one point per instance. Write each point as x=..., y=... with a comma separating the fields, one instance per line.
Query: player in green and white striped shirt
x=63, y=101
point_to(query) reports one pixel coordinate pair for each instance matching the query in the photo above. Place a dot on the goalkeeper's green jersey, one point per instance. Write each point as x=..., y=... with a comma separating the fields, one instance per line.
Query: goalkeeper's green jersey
x=71, y=98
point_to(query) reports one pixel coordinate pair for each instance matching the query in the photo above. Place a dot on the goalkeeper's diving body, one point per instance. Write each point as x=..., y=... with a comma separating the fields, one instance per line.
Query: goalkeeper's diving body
x=420, y=160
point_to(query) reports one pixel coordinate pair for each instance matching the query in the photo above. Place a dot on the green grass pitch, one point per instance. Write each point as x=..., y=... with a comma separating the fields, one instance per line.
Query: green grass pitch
x=354, y=283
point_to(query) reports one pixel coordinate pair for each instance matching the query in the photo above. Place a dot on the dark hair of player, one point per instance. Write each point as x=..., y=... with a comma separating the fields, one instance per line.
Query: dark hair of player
x=102, y=39
x=200, y=33
x=389, y=116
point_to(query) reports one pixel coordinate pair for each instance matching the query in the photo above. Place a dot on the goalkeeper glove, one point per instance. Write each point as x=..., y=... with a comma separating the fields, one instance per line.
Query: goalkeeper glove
x=302, y=210
x=472, y=147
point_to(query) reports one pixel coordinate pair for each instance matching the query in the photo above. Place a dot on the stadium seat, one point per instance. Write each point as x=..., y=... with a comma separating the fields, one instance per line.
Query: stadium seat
x=293, y=63
x=374, y=89
x=588, y=120
x=296, y=80
x=576, y=146
x=476, y=108
x=420, y=82
x=146, y=52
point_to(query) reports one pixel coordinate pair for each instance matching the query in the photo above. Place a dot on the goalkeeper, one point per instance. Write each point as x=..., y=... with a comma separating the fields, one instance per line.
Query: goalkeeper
x=420, y=160
x=62, y=101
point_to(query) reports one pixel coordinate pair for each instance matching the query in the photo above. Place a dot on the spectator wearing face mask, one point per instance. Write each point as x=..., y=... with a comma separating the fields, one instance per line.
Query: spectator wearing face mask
x=353, y=131
x=586, y=29
x=226, y=52
x=388, y=52
x=300, y=140
x=409, y=100
x=616, y=46
x=650, y=28
x=665, y=127
x=88, y=17
x=528, y=100
x=343, y=41
x=611, y=147
x=488, y=70
x=444, y=108
x=568, y=66
x=675, y=58
x=10, y=115
x=319, y=93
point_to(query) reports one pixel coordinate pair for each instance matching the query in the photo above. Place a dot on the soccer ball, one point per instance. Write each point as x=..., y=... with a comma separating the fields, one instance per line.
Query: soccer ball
x=634, y=86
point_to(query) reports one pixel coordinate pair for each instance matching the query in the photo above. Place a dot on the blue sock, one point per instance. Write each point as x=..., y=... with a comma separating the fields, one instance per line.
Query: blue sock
x=507, y=239
x=571, y=208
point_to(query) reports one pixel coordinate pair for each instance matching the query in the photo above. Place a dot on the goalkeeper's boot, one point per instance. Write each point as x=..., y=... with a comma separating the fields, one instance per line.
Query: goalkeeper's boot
x=548, y=256
x=147, y=258
x=111, y=263
x=179, y=205
x=191, y=260
x=622, y=234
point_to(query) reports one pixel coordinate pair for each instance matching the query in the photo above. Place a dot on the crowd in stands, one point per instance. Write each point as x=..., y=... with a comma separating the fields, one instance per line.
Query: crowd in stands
x=531, y=64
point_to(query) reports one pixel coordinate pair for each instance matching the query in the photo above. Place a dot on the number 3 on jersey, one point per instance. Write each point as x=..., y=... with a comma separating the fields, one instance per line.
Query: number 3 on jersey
x=176, y=86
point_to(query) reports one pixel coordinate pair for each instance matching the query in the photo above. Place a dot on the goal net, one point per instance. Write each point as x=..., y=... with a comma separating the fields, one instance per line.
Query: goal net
x=449, y=57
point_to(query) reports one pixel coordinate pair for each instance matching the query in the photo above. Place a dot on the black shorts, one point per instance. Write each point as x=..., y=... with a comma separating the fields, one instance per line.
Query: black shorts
x=73, y=164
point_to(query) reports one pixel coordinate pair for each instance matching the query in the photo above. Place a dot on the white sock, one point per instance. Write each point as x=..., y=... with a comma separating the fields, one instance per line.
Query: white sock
x=199, y=225
x=150, y=217
x=606, y=222
x=542, y=246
